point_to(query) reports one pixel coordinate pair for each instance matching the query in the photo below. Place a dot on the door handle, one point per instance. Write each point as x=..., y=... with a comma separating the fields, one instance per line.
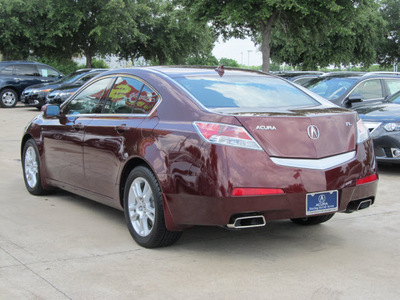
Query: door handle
x=121, y=128
x=78, y=126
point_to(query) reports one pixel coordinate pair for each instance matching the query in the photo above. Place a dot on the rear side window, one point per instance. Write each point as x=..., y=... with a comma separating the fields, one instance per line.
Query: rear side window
x=47, y=72
x=146, y=101
x=261, y=92
x=393, y=85
x=123, y=96
x=26, y=70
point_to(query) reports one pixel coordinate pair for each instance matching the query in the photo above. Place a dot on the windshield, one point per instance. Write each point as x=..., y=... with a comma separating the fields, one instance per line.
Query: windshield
x=261, y=92
x=72, y=77
x=395, y=98
x=330, y=87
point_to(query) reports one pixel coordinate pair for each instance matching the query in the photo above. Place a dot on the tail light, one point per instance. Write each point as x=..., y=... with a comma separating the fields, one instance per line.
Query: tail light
x=367, y=179
x=362, y=132
x=228, y=135
x=256, y=192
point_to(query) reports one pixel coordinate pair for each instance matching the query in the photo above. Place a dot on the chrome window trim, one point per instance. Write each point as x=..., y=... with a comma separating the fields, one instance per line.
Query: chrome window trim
x=317, y=164
x=115, y=75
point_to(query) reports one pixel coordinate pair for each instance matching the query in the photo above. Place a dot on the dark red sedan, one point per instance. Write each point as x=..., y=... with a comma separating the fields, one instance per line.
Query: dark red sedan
x=177, y=147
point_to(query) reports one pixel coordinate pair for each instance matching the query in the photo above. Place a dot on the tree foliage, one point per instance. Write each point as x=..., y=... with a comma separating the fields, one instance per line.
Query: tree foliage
x=157, y=30
x=389, y=50
x=327, y=23
x=347, y=35
x=172, y=36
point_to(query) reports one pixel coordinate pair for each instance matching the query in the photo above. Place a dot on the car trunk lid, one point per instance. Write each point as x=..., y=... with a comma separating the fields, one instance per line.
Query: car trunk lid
x=303, y=134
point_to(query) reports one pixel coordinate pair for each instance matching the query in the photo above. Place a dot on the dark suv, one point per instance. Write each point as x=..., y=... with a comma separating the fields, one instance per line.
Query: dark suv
x=15, y=76
x=349, y=89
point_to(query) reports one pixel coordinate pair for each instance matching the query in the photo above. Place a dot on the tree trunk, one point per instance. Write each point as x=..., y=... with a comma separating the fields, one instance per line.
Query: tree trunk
x=266, y=37
x=88, y=60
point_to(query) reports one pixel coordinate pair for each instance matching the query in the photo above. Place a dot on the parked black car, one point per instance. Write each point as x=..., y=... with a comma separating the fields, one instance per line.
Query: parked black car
x=15, y=76
x=36, y=95
x=383, y=122
x=300, y=77
x=59, y=95
x=349, y=89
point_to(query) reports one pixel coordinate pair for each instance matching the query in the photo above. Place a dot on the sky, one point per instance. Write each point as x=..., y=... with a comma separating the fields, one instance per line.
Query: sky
x=243, y=51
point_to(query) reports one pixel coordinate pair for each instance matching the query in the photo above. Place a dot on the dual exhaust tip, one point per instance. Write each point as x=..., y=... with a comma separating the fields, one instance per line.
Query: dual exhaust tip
x=250, y=221
x=358, y=205
x=246, y=221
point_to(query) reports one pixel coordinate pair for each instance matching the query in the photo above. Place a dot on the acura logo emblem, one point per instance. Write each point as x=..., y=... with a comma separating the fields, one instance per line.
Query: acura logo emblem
x=313, y=132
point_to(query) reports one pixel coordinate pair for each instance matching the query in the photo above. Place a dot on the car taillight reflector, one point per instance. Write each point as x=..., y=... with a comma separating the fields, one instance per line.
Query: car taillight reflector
x=362, y=132
x=228, y=135
x=256, y=192
x=367, y=179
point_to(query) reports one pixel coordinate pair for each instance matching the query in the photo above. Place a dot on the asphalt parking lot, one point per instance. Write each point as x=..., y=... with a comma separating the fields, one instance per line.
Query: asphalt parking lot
x=62, y=246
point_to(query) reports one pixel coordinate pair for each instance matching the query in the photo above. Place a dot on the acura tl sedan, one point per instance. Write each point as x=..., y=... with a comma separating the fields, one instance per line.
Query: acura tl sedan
x=176, y=147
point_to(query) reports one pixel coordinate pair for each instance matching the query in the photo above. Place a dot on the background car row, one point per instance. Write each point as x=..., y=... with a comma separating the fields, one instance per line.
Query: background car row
x=36, y=95
x=369, y=93
x=15, y=76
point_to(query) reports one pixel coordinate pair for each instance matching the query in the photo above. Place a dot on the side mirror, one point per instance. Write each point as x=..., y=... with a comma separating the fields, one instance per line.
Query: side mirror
x=50, y=111
x=353, y=99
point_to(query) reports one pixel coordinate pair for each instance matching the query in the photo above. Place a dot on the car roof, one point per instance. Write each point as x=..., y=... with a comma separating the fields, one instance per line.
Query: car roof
x=12, y=62
x=177, y=71
x=350, y=74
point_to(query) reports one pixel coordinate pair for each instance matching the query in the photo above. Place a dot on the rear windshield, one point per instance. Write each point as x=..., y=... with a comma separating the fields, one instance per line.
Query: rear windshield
x=330, y=87
x=245, y=92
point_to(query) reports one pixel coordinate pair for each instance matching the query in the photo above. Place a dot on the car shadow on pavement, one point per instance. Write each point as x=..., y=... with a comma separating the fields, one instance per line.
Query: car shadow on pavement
x=276, y=237
x=390, y=169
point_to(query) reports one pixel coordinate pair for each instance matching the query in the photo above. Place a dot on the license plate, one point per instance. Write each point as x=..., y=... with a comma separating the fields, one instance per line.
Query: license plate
x=319, y=203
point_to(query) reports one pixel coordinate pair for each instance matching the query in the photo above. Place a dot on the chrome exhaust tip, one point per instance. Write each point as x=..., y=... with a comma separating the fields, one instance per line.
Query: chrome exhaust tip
x=358, y=205
x=247, y=222
x=364, y=204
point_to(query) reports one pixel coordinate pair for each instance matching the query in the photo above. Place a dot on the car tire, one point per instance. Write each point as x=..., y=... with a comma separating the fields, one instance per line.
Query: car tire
x=31, y=168
x=8, y=98
x=313, y=220
x=144, y=212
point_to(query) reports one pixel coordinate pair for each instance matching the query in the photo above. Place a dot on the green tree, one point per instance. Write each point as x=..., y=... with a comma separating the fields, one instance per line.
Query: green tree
x=103, y=26
x=343, y=37
x=228, y=62
x=202, y=60
x=389, y=50
x=172, y=36
x=18, y=25
x=258, y=18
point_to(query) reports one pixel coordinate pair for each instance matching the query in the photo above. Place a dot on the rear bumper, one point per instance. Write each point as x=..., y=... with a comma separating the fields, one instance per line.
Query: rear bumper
x=218, y=211
x=202, y=196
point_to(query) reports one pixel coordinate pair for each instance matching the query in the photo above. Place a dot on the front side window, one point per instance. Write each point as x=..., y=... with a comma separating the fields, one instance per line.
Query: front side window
x=123, y=95
x=393, y=85
x=26, y=70
x=238, y=91
x=368, y=90
x=88, y=101
x=395, y=99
